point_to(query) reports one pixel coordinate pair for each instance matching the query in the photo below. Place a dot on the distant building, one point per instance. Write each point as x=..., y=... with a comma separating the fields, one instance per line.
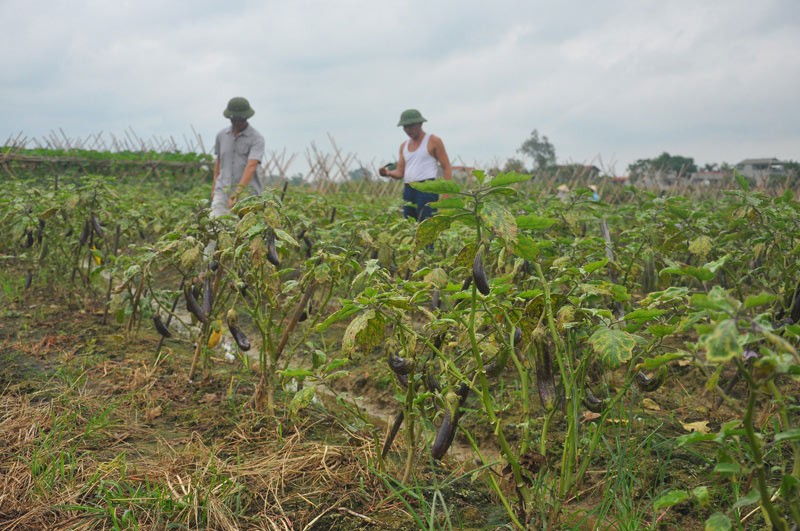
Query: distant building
x=760, y=170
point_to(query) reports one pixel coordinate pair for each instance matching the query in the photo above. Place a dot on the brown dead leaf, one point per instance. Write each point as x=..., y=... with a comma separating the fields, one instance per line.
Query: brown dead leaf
x=700, y=426
x=589, y=416
x=649, y=403
x=152, y=413
x=209, y=398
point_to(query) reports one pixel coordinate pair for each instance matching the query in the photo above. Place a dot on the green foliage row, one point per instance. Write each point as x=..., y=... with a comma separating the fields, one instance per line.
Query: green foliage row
x=579, y=303
x=112, y=156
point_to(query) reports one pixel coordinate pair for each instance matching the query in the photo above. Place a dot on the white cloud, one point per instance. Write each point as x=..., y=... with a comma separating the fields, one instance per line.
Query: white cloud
x=611, y=82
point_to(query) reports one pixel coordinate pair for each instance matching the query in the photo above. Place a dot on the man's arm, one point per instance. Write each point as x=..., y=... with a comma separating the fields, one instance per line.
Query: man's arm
x=214, y=181
x=438, y=152
x=247, y=176
x=398, y=172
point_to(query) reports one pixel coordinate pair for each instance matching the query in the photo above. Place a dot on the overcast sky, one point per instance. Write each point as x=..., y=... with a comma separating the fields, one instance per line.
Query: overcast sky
x=608, y=82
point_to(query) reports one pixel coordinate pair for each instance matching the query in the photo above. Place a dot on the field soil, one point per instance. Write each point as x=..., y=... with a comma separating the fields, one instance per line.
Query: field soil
x=92, y=412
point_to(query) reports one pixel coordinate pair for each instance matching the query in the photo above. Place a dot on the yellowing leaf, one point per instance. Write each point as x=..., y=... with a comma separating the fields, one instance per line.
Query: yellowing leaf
x=701, y=426
x=615, y=347
x=701, y=246
x=649, y=403
x=722, y=344
x=500, y=221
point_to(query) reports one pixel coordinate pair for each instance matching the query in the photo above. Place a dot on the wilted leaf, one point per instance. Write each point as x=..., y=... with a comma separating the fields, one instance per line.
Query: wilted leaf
x=429, y=230
x=152, y=413
x=285, y=237
x=365, y=331
x=615, y=347
x=700, y=426
x=701, y=246
x=500, y=221
x=649, y=403
x=589, y=416
x=302, y=399
x=702, y=495
x=723, y=343
x=437, y=277
x=466, y=256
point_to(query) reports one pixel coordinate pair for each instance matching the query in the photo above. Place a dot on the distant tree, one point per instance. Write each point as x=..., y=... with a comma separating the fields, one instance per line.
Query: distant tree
x=663, y=164
x=359, y=174
x=514, y=165
x=711, y=166
x=540, y=150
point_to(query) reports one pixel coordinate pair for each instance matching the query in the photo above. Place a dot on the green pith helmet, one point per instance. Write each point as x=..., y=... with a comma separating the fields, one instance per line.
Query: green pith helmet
x=238, y=108
x=410, y=116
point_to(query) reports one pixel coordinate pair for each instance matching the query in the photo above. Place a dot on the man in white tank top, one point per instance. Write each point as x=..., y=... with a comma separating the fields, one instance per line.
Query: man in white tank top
x=420, y=159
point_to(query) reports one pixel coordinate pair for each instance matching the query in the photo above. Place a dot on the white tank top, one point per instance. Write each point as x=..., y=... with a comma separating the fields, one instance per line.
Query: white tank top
x=420, y=165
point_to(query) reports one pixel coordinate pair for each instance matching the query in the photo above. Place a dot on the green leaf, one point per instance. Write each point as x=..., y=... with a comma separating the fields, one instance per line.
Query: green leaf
x=702, y=495
x=723, y=343
x=728, y=468
x=500, y=221
x=656, y=362
x=759, y=300
x=339, y=315
x=743, y=182
x=479, y=175
x=643, y=314
x=336, y=364
x=716, y=264
x=718, y=522
x=503, y=179
x=302, y=399
x=591, y=267
x=700, y=273
x=788, y=435
x=615, y=347
x=673, y=497
x=660, y=330
x=526, y=248
x=534, y=222
x=448, y=202
x=285, y=237
x=752, y=497
x=438, y=186
x=694, y=438
x=295, y=373
x=429, y=230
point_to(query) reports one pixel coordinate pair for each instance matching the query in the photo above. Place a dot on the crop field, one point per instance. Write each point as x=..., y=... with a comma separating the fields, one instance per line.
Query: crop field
x=315, y=361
